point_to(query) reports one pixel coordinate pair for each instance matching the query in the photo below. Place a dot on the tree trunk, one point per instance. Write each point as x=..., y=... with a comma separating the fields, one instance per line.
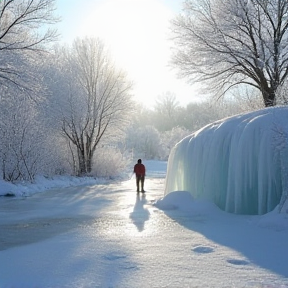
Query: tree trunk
x=89, y=162
x=269, y=98
x=89, y=155
x=82, y=163
x=85, y=161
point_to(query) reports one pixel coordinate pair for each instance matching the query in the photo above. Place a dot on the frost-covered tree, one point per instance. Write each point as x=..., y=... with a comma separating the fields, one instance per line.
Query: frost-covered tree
x=23, y=149
x=144, y=141
x=224, y=43
x=24, y=29
x=166, y=111
x=92, y=99
x=170, y=138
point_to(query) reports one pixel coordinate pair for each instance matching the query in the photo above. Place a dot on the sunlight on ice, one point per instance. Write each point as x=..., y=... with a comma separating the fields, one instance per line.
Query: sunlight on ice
x=240, y=163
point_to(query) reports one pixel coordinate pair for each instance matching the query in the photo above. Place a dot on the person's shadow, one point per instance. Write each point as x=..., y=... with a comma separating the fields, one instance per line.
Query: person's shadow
x=140, y=214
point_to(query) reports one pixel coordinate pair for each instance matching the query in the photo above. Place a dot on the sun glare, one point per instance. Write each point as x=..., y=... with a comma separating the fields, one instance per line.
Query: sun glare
x=132, y=28
x=136, y=33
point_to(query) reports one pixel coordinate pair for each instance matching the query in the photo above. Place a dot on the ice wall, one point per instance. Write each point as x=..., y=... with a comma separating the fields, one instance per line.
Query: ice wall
x=239, y=163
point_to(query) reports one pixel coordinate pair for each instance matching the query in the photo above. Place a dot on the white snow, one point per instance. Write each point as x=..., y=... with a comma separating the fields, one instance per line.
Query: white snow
x=42, y=184
x=239, y=163
x=104, y=234
x=183, y=200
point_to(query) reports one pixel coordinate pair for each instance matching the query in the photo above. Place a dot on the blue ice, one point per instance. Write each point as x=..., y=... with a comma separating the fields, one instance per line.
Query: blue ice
x=240, y=163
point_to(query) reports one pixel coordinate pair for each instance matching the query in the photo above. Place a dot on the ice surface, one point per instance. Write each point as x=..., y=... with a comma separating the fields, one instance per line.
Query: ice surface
x=100, y=236
x=239, y=163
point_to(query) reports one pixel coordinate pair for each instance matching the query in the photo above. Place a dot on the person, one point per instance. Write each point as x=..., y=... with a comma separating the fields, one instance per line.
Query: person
x=140, y=171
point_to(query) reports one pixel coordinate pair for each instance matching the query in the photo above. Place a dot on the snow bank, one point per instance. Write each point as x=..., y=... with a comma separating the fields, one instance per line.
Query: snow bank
x=177, y=200
x=42, y=184
x=154, y=168
x=184, y=201
x=239, y=163
x=273, y=220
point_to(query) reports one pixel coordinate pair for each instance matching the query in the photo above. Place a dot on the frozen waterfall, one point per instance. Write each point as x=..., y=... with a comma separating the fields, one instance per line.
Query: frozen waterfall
x=240, y=163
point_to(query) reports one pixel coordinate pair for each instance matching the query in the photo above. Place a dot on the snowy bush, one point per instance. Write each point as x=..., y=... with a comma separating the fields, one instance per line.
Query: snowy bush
x=108, y=162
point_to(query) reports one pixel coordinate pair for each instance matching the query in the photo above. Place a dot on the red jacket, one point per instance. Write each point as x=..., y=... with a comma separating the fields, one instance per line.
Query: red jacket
x=139, y=169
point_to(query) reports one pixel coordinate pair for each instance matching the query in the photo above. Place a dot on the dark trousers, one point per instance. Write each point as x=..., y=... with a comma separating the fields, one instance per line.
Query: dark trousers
x=140, y=180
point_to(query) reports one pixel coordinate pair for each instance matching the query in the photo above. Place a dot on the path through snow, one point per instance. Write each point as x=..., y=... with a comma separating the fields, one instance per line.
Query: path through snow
x=108, y=236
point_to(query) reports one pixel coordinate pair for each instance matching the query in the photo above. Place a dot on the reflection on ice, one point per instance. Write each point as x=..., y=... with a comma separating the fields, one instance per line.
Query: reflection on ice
x=240, y=163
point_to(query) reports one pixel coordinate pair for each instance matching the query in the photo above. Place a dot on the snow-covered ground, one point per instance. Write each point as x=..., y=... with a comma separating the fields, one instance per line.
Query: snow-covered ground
x=105, y=235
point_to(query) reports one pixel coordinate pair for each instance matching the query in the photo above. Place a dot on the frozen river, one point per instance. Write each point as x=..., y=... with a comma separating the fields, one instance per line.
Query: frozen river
x=108, y=236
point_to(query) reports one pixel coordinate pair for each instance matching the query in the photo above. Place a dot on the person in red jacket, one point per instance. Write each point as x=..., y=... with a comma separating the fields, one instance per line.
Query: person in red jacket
x=140, y=171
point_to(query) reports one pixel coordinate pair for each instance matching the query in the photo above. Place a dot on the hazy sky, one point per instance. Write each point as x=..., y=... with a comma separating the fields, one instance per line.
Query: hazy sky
x=136, y=32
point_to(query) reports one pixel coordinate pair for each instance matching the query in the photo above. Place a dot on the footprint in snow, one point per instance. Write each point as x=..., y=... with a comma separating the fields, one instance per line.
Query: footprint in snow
x=114, y=256
x=237, y=262
x=123, y=262
x=203, y=249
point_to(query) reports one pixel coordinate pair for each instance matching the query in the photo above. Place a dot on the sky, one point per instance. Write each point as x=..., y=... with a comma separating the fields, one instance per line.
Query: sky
x=137, y=34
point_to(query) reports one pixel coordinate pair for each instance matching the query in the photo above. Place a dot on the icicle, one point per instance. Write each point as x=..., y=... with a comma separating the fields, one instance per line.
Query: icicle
x=234, y=163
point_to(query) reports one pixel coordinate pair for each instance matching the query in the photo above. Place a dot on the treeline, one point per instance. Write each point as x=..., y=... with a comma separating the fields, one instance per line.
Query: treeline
x=69, y=109
x=73, y=107
x=153, y=132
x=62, y=108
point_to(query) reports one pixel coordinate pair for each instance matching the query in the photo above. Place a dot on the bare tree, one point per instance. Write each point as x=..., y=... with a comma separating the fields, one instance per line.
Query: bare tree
x=229, y=42
x=98, y=102
x=167, y=104
x=166, y=108
x=24, y=28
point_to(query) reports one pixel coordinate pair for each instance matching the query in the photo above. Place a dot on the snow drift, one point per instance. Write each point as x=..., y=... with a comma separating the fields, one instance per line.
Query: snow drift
x=240, y=163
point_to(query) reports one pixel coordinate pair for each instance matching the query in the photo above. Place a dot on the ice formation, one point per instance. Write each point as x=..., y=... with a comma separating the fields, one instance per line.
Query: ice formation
x=240, y=163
